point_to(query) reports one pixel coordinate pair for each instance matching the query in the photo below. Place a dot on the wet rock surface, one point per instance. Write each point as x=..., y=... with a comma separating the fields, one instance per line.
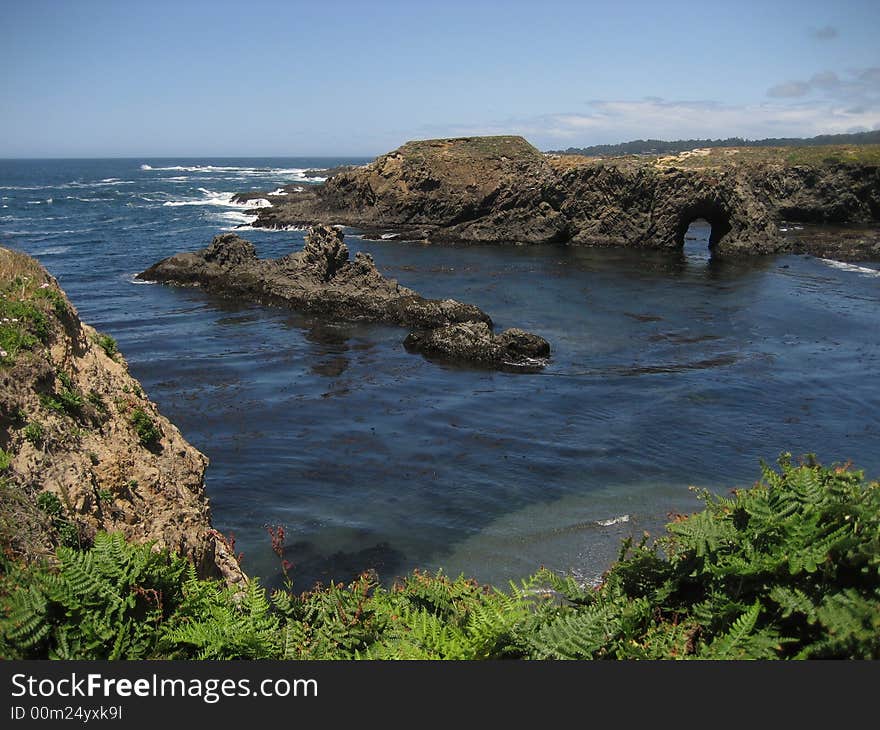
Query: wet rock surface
x=323, y=279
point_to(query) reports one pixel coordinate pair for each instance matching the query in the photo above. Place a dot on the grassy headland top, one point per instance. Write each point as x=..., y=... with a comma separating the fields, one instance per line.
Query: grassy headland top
x=719, y=157
x=471, y=148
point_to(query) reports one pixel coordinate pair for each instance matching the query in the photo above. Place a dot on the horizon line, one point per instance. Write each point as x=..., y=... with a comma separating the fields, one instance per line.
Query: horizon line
x=179, y=157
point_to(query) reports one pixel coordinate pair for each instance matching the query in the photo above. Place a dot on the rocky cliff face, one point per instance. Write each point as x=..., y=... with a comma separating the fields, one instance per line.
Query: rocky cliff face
x=470, y=189
x=84, y=449
x=487, y=189
x=651, y=207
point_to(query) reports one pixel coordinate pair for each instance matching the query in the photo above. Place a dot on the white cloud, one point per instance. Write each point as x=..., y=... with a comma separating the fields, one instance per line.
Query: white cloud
x=622, y=120
x=827, y=103
x=856, y=84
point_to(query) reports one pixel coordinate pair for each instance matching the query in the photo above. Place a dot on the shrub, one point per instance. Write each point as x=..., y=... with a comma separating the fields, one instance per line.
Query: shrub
x=145, y=427
x=97, y=401
x=23, y=326
x=52, y=508
x=787, y=569
x=107, y=344
x=34, y=432
x=55, y=298
x=66, y=400
x=27, y=302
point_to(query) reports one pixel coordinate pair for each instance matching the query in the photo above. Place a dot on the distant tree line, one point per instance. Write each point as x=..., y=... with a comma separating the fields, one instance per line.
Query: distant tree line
x=658, y=146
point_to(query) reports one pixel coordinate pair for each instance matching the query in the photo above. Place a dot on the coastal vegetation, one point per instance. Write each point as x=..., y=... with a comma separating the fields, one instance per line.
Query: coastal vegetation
x=708, y=158
x=786, y=569
x=662, y=147
x=145, y=427
x=26, y=303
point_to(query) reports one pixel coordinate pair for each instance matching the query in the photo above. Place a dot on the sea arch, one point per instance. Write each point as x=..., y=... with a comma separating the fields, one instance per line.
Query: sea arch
x=713, y=212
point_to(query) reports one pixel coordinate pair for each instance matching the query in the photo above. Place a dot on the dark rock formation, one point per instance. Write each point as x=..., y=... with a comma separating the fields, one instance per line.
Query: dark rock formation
x=475, y=342
x=322, y=279
x=494, y=189
x=649, y=207
x=473, y=189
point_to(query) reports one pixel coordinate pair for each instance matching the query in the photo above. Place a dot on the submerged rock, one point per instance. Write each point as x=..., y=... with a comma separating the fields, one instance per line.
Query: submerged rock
x=323, y=279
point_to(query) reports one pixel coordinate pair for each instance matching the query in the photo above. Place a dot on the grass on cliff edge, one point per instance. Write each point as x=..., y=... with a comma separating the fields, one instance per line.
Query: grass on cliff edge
x=27, y=302
x=789, y=568
x=715, y=157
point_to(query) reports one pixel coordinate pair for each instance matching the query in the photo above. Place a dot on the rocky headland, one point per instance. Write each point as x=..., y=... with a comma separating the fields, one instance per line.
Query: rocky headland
x=82, y=448
x=502, y=189
x=324, y=280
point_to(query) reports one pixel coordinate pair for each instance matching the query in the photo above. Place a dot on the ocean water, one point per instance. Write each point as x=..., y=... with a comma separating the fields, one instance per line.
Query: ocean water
x=668, y=370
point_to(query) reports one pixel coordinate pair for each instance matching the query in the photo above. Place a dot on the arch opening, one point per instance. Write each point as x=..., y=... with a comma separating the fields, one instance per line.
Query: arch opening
x=702, y=225
x=696, y=239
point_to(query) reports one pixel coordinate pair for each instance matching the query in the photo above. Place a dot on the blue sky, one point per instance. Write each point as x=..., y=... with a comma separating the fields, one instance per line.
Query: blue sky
x=93, y=78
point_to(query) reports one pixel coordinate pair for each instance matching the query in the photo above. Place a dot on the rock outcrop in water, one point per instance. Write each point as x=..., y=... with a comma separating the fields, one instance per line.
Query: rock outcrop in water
x=494, y=189
x=322, y=279
x=475, y=342
x=77, y=432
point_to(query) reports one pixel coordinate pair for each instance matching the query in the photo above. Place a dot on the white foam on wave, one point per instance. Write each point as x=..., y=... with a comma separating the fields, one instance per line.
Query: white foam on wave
x=843, y=266
x=234, y=216
x=52, y=251
x=277, y=229
x=49, y=234
x=132, y=279
x=225, y=200
x=87, y=200
x=613, y=521
x=526, y=362
x=107, y=182
x=297, y=173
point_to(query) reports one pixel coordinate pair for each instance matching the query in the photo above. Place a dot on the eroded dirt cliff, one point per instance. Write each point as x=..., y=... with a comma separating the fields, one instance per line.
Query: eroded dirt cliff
x=83, y=448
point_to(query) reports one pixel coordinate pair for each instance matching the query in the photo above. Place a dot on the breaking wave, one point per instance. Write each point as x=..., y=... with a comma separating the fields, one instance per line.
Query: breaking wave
x=613, y=521
x=842, y=266
x=234, y=216
x=225, y=200
x=295, y=173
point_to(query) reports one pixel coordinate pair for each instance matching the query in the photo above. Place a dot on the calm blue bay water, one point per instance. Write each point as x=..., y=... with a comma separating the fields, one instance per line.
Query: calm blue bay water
x=668, y=371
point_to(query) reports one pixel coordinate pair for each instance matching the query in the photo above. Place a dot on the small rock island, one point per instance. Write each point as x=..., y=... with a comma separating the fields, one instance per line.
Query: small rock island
x=322, y=279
